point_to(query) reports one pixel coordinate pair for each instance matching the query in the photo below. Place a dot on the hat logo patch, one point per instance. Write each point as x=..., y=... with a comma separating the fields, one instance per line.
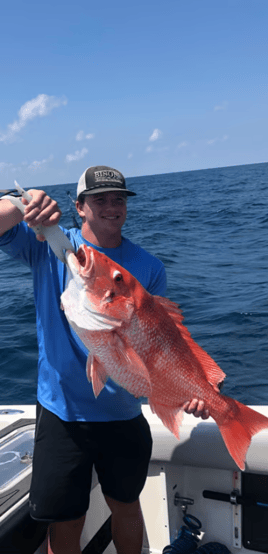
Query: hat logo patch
x=107, y=175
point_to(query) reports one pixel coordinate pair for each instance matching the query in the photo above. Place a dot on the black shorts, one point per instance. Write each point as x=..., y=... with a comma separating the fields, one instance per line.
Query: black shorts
x=65, y=453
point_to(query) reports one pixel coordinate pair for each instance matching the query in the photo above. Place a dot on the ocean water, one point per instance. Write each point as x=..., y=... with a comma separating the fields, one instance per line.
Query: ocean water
x=209, y=227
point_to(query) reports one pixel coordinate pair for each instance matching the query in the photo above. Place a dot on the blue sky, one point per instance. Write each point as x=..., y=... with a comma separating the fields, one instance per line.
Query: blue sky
x=146, y=87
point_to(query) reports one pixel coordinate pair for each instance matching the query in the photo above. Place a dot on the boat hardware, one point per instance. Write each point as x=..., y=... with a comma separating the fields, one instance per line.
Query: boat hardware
x=183, y=501
x=189, y=534
x=236, y=500
x=233, y=497
x=27, y=458
x=9, y=411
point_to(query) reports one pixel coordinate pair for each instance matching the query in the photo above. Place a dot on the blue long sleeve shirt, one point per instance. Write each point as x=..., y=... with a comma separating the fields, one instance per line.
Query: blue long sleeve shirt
x=63, y=387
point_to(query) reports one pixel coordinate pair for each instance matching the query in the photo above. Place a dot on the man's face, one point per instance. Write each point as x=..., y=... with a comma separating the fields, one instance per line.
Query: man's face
x=105, y=211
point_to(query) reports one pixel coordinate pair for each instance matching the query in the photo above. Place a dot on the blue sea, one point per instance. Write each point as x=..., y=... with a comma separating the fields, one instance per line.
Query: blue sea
x=210, y=228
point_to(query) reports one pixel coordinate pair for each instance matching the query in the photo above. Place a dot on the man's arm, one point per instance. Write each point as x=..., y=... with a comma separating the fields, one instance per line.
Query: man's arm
x=41, y=210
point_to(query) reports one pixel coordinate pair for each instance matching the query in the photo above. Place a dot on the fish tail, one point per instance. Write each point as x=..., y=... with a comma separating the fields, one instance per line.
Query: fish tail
x=238, y=429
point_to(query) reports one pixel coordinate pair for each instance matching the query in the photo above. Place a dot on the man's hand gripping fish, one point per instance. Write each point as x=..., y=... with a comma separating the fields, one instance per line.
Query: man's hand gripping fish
x=140, y=342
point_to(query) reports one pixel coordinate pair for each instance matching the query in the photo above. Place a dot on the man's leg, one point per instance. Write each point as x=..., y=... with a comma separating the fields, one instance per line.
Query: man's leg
x=64, y=536
x=127, y=526
x=61, y=479
x=122, y=468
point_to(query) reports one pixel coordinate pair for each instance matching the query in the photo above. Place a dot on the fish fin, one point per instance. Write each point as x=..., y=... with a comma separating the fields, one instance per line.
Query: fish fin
x=238, y=429
x=88, y=368
x=134, y=364
x=171, y=417
x=171, y=307
x=96, y=374
x=213, y=372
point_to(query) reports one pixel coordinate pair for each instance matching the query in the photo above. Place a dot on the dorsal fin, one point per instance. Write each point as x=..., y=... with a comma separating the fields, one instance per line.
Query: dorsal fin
x=213, y=372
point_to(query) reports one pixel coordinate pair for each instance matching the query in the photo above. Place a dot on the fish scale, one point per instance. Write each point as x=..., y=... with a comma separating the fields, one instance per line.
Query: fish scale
x=101, y=350
x=153, y=342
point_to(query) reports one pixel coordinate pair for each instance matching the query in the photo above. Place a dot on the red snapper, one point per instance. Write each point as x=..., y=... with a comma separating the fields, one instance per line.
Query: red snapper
x=139, y=341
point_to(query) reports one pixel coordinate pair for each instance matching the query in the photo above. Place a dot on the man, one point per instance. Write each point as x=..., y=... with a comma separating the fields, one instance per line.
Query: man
x=73, y=429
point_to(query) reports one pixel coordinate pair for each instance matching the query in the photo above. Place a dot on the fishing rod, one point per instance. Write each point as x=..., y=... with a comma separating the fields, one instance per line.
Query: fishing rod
x=72, y=212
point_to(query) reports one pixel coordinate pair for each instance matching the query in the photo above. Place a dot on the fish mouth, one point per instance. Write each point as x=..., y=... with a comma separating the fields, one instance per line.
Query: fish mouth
x=81, y=257
x=80, y=263
x=85, y=258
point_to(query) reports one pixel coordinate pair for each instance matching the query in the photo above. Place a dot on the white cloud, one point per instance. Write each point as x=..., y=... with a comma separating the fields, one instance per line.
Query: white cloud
x=81, y=136
x=130, y=155
x=37, y=107
x=37, y=164
x=222, y=106
x=5, y=165
x=159, y=149
x=78, y=155
x=155, y=135
x=212, y=141
x=182, y=144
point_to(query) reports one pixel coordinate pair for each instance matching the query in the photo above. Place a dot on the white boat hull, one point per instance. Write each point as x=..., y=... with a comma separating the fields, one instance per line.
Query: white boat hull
x=198, y=462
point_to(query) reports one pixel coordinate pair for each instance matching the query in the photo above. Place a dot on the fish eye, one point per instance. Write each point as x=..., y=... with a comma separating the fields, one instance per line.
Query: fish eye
x=117, y=276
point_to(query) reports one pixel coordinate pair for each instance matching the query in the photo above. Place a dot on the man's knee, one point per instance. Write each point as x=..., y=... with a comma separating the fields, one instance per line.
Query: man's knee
x=130, y=509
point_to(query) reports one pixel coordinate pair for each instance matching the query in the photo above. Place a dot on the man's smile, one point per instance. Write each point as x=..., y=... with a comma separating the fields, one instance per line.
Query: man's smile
x=110, y=216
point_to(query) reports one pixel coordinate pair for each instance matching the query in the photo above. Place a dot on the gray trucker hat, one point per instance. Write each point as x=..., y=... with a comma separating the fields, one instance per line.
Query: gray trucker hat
x=102, y=179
